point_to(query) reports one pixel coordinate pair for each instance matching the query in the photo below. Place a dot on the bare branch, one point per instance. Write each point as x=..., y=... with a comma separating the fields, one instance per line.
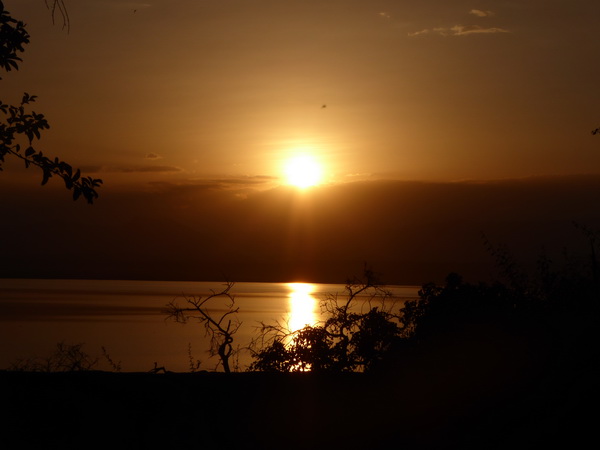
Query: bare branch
x=58, y=8
x=220, y=330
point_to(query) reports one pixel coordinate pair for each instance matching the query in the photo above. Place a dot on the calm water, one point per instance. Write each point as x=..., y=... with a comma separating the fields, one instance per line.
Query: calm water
x=127, y=318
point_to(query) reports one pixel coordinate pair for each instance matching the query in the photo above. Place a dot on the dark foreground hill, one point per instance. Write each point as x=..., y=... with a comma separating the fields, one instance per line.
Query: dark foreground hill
x=433, y=403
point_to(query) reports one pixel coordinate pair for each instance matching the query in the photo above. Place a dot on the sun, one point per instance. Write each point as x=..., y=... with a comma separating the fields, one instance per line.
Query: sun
x=303, y=171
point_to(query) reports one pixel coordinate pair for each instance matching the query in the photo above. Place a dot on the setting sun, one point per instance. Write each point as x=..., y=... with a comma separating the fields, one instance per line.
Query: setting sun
x=303, y=171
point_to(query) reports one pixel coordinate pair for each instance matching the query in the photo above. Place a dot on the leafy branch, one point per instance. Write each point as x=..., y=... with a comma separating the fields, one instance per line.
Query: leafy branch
x=17, y=124
x=18, y=121
x=13, y=37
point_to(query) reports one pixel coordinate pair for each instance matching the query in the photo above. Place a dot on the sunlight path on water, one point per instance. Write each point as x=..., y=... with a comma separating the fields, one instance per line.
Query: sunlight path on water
x=303, y=306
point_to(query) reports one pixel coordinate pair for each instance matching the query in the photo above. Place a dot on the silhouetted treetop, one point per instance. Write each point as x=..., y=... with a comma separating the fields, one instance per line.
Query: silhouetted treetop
x=20, y=127
x=13, y=38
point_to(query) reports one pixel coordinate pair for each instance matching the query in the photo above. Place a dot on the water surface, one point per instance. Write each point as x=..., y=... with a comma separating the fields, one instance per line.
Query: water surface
x=127, y=317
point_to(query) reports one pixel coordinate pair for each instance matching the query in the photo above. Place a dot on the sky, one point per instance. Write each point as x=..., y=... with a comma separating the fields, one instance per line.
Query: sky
x=190, y=110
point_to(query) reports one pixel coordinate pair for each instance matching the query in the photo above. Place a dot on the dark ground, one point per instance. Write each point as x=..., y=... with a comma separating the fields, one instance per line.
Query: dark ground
x=512, y=397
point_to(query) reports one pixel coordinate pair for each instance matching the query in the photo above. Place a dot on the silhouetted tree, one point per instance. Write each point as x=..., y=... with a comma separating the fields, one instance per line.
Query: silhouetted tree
x=19, y=127
x=593, y=237
x=220, y=329
x=348, y=340
x=571, y=283
x=454, y=307
x=555, y=300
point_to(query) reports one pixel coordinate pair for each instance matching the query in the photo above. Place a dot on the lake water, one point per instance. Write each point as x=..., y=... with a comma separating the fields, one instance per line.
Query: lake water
x=127, y=317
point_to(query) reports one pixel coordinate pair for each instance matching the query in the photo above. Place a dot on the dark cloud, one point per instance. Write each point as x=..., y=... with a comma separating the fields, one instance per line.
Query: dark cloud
x=152, y=156
x=90, y=169
x=411, y=232
x=230, y=183
x=147, y=169
x=253, y=181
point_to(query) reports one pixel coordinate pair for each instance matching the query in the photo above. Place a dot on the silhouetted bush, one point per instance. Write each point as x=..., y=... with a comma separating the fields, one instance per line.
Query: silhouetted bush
x=348, y=340
x=65, y=358
x=552, y=305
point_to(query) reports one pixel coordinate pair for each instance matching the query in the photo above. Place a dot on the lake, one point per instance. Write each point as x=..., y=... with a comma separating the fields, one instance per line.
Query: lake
x=127, y=318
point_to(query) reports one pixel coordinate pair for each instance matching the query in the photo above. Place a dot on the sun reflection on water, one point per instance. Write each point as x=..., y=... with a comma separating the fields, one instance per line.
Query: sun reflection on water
x=303, y=306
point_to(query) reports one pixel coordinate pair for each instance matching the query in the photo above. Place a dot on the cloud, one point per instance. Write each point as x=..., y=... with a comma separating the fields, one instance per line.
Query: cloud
x=463, y=30
x=419, y=33
x=131, y=5
x=152, y=156
x=480, y=13
x=384, y=14
x=85, y=170
x=459, y=30
x=230, y=183
x=441, y=226
x=146, y=169
x=241, y=182
x=253, y=180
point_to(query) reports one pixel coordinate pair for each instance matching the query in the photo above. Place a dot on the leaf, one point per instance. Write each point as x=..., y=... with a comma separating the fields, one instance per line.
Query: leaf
x=66, y=168
x=30, y=151
x=46, y=176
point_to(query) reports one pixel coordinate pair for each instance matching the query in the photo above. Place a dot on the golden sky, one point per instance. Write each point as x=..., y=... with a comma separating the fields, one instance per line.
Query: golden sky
x=432, y=122
x=423, y=90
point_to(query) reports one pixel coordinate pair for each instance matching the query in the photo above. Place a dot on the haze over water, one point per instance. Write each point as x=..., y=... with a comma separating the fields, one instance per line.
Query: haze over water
x=126, y=317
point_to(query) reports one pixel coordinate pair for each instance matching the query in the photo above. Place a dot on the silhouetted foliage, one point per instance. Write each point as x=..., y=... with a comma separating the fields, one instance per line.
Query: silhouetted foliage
x=546, y=305
x=13, y=37
x=569, y=284
x=115, y=366
x=220, y=329
x=348, y=340
x=19, y=127
x=65, y=358
x=593, y=237
x=442, y=310
x=158, y=369
x=555, y=300
x=194, y=364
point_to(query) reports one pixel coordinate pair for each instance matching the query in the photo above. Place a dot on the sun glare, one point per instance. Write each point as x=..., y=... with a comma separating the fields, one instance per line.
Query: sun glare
x=302, y=305
x=303, y=171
